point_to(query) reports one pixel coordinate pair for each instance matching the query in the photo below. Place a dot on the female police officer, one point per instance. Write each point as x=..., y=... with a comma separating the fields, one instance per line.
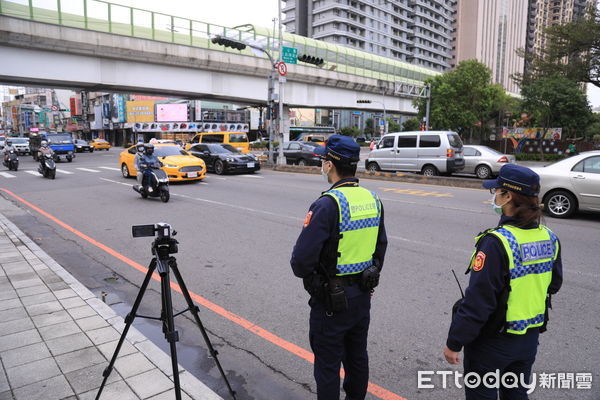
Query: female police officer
x=514, y=269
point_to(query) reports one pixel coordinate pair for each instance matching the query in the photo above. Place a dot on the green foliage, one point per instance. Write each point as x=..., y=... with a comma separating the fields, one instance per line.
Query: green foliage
x=393, y=126
x=462, y=97
x=411, y=124
x=370, y=127
x=259, y=145
x=572, y=50
x=556, y=101
x=350, y=131
x=596, y=138
x=593, y=129
x=538, y=157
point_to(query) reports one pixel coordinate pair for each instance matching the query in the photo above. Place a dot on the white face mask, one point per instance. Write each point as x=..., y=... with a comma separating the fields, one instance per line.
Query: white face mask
x=497, y=209
x=324, y=174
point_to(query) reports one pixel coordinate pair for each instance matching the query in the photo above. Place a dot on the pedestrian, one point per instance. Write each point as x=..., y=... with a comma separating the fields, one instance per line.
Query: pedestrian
x=514, y=270
x=372, y=145
x=339, y=254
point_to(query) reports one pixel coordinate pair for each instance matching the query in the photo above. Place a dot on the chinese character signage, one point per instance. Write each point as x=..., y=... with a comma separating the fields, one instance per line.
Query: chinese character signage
x=140, y=111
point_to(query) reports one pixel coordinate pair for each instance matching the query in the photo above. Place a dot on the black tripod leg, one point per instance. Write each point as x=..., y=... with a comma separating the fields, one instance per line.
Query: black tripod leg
x=194, y=309
x=128, y=321
x=169, y=328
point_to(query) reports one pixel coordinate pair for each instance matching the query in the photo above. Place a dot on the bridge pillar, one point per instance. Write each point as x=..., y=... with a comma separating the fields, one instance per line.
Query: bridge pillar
x=286, y=123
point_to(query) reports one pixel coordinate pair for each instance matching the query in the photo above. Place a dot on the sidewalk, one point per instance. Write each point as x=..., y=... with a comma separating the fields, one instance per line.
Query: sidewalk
x=57, y=337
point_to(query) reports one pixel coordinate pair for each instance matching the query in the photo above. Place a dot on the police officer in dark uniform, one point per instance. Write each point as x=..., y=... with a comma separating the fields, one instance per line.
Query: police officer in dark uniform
x=514, y=270
x=339, y=255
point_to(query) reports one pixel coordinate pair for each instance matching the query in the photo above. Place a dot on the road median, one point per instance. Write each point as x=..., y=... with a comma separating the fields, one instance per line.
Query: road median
x=392, y=176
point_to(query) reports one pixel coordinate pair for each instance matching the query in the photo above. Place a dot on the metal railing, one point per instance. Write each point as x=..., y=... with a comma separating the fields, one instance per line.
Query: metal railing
x=103, y=16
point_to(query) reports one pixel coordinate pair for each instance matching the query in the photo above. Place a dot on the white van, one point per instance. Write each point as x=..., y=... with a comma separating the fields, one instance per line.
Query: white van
x=429, y=152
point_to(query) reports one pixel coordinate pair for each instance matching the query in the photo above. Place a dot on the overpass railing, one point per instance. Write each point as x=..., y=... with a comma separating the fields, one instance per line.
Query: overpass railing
x=103, y=16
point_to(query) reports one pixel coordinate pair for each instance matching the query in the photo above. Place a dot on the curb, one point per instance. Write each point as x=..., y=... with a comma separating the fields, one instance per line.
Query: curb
x=392, y=176
x=189, y=383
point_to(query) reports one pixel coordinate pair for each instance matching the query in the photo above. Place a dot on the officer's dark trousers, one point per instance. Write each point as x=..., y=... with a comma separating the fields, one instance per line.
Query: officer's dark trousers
x=341, y=338
x=507, y=353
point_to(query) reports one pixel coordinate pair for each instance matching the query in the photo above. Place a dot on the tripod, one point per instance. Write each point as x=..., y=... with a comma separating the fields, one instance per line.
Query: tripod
x=162, y=248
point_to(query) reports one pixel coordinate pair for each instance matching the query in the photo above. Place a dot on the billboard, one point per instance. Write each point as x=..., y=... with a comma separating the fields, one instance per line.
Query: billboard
x=140, y=111
x=532, y=133
x=171, y=112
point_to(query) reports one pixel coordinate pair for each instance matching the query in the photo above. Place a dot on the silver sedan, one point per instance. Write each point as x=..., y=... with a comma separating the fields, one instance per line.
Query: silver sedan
x=484, y=161
x=571, y=184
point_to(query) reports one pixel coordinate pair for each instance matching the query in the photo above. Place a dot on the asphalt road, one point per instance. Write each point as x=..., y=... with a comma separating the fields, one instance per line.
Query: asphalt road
x=236, y=234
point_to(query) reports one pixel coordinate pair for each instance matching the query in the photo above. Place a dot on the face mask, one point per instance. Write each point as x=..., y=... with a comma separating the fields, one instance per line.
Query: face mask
x=324, y=174
x=495, y=207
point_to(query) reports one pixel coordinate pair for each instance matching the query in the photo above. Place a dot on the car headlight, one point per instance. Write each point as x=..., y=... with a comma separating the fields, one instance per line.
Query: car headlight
x=170, y=166
x=230, y=159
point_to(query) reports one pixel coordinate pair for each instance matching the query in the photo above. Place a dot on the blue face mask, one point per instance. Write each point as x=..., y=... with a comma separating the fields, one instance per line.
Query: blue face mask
x=497, y=209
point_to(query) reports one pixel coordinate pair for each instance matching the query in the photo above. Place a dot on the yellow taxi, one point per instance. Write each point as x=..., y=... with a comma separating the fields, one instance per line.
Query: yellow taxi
x=177, y=163
x=99, y=144
x=314, y=139
x=239, y=140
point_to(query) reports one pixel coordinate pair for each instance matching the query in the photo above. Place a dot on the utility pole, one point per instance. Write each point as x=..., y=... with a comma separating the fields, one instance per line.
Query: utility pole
x=385, y=123
x=428, y=92
x=280, y=157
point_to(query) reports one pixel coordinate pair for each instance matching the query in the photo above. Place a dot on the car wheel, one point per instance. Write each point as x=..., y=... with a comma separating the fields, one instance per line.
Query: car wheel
x=70, y=159
x=429, y=170
x=302, y=162
x=560, y=204
x=483, y=172
x=91, y=150
x=373, y=167
x=219, y=167
x=125, y=170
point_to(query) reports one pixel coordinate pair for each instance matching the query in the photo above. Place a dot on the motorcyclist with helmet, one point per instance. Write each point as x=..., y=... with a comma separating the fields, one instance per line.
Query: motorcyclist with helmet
x=43, y=150
x=7, y=149
x=136, y=162
x=145, y=161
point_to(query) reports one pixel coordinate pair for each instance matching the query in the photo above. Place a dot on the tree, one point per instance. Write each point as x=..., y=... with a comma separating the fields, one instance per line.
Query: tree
x=556, y=101
x=593, y=129
x=411, y=124
x=462, y=98
x=572, y=50
x=393, y=126
x=370, y=127
x=350, y=131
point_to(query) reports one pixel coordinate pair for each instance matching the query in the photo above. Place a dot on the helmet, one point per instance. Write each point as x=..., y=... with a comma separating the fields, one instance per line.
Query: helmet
x=140, y=147
x=8, y=142
x=44, y=143
x=148, y=149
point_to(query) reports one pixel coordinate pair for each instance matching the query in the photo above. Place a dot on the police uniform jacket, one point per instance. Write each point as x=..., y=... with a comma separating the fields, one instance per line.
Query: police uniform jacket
x=485, y=285
x=321, y=225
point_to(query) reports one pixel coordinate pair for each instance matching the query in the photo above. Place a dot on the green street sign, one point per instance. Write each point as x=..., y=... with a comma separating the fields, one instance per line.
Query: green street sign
x=289, y=55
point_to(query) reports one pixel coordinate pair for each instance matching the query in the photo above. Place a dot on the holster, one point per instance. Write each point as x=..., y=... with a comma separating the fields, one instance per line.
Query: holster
x=544, y=327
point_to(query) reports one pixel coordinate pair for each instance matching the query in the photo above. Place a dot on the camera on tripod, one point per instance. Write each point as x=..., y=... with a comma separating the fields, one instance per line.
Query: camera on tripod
x=162, y=230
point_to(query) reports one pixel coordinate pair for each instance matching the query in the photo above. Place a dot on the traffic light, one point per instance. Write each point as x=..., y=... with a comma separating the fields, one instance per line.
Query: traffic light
x=363, y=101
x=272, y=112
x=310, y=59
x=234, y=44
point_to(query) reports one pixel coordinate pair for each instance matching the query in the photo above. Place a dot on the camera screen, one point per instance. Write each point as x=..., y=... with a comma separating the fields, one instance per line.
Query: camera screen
x=142, y=230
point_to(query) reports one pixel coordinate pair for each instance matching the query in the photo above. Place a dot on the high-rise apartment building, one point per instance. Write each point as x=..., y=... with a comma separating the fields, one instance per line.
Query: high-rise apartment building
x=414, y=31
x=491, y=32
x=546, y=13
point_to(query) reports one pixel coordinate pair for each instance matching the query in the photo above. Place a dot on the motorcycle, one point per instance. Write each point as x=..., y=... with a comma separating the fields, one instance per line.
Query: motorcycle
x=47, y=168
x=12, y=162
x=154, y=184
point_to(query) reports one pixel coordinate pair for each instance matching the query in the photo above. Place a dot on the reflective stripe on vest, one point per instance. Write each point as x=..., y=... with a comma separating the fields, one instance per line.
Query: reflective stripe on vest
x=360, y=212
x=531, y=254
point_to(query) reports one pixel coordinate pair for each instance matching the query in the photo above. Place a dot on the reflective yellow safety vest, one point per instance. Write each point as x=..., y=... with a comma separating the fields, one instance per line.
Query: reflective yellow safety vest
x=360, y=213
x=531, y=256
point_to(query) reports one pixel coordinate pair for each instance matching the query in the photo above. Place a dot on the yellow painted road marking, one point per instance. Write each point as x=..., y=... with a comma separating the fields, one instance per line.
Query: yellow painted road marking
x=417, y=192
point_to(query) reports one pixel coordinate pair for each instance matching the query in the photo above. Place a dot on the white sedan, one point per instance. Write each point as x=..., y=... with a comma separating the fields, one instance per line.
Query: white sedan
x=571, y=184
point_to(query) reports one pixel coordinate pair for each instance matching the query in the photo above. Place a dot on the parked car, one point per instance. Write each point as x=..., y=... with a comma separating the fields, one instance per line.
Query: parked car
x=571, y=184
x=177, y=163
x=100, y=144
x=223, y=158
x=299, y=153
x=82, y=146
x=428, y=152
x=239, y=140
x=484, y=161
x=21, y=145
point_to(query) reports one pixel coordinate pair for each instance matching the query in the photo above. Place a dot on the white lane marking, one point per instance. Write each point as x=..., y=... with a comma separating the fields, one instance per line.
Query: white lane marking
x=111, y=168
x=33, y=173
x=88, y=170
x=120, y=183
x=252, y=176
x=62, y=171
x=7, y=175
x=218, y=177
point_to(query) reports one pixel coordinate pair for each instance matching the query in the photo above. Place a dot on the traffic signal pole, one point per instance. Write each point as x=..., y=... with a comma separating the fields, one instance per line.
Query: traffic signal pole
x=280, y=157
